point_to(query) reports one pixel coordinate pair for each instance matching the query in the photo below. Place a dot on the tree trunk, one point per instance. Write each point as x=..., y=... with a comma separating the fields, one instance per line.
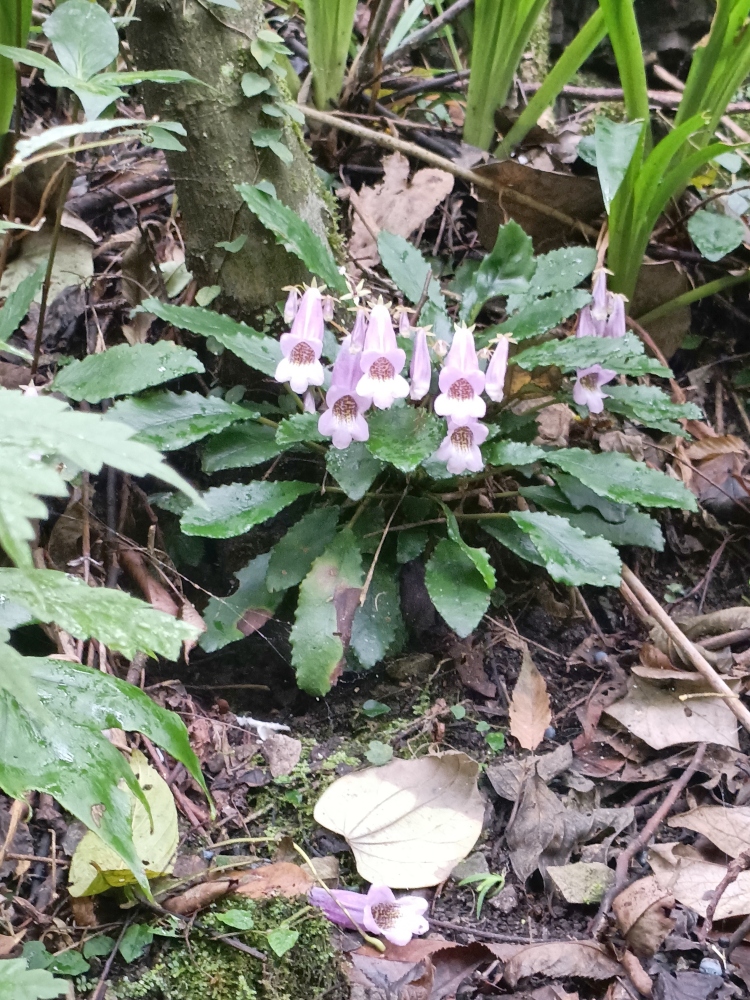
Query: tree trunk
x=214, y=46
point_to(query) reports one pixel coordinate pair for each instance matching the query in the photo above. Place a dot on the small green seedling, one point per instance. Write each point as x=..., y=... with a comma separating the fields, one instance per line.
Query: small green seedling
x=487, y=886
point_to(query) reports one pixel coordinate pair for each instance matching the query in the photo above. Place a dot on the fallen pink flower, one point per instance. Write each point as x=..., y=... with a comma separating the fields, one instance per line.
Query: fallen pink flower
x=382, y=361
x=343, y=421
x=588, y=388
x=461, y=381
x=460, y=447
x=377, y=912
x=303, y=345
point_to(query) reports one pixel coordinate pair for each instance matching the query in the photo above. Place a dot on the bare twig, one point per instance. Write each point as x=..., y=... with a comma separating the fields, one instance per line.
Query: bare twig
x=470, y=176
x=642, y=840
x=488, y=935
x=660, y=98
x=373, y=564
x=16, y=812
x=415, y=40
x=101, y=985
x=690, y=652
x=734, y=870
x=676, y=82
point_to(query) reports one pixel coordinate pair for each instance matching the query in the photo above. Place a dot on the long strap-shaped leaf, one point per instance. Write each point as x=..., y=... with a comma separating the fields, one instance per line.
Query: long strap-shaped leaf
x=329, y=26
x=15, y=21
x=626, y=43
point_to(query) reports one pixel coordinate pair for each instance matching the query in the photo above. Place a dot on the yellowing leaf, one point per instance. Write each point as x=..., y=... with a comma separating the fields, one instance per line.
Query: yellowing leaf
x=529, y=708
x=96, y=867
x=408, y=822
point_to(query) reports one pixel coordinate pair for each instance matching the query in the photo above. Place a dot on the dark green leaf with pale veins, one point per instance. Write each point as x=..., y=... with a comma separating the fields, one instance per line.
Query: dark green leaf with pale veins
x=624, y=355
x=243, y=612
x=404, y=436
x=234, y=509
x=169, y=421
x=456, y=587
x=570, y=556
x=294, y=554
x=353, y=468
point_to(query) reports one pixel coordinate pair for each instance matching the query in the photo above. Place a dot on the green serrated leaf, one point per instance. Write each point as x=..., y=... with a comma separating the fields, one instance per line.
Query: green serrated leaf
x=65, y=754
x=294, y=554
x=125, y=369
x=297, y=429
x=456, y=587
x=621, y=479
x=169, y=421
x=478, y=556
x=18, y=302
x=404, y=436
x=378, y=621
x=111, y=616
x=240, y=920
x=411, y=543
x=507, y=269
x=513, y=453
x=240, y=446
x=541, y=315
x=378, y=753
x=229, y=619
x=507, y=532
x=625, y=355
x=17, y=982
x=649, y=406
x=234, y=509
x=353, y=468
x=256, y=350
x=328, y=600
x=562, y=269
x=580, y=497
x=715, y=234
x=570, y=556
x=294, y=234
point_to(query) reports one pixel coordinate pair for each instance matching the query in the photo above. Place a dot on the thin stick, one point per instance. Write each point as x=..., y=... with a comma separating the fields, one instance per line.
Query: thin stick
x=16, y=811
x=734, y=870
x=470, y=176
x=676, y=82
x=690, y=652
x=414, y=40
x=635, y=605
x=642, y=840
x=489, y=935
x=98, y=993
x=381, y=543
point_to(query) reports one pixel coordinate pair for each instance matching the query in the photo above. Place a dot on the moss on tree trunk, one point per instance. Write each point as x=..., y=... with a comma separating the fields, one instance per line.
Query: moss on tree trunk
x=220, y=120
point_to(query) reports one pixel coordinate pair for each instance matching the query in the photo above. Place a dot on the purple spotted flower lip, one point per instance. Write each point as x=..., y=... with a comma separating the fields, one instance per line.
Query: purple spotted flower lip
x=460, y=447
x=343, y=421
x=588, y=388
x=494, y=379
x=420, y=371
x=461, y=382
x=377, y=912
x=382, y=361
x=302, y=347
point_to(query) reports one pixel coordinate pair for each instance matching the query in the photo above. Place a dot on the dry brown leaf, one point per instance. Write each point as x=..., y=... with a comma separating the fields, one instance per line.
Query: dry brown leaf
x=280, y=879
x=469, y=659
x=381, y=979
x=681, y=871
x=642, y=915
x=324, y=870
x=637, y=974
x=397, y=205
x=282, y=753
x=529, y=711
x=8, y=943
x=199, y=896
x=728, y=829
x=658, y=717
x=409, y=822
x=507, y=778
x=583, y=882
x=560, y=960
x=553, y=425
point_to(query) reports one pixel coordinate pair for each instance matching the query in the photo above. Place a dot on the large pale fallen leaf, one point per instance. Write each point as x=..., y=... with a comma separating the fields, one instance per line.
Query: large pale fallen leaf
x=642, y=912
x=529, y=711
x=657, y=716
x=729, y=829
x=560, y=960
x=409, y=822
x=397, y=205
x=96, y=867
x=584, y=882
x=681, y=871
x=73, y=264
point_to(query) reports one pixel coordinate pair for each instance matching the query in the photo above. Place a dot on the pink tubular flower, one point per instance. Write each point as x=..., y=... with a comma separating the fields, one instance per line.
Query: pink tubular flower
x=420, y=370
x=359, y=330
x=291, y=305
x=378, y=912
x=302, y=347
x=308, y=401
x=461, y=382
x=343, y=421
x=460, y=447
x=605, y=314
x=382, y=361
x=588, y=388
x=494, y=379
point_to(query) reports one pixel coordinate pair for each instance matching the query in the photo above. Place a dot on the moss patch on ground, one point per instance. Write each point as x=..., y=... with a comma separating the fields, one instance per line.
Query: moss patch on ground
x=205, y=969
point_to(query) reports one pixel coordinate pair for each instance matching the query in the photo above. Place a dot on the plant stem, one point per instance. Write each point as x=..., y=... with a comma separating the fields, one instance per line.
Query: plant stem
x=8, y=238
x=694, y=295
x=415, y=40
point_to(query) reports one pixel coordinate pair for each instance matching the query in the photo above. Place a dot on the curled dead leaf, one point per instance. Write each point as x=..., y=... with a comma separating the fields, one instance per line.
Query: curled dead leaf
x=642, y=912
x=409, y=822
x=728, y=829
x=560, y=960
x=684, y=873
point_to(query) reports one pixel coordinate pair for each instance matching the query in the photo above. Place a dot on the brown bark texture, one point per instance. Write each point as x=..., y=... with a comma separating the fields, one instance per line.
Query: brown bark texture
x=214, y=47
